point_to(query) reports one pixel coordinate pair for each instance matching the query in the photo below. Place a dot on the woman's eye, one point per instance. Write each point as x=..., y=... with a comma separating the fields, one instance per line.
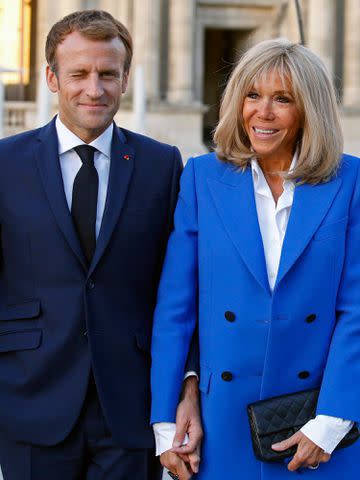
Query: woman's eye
x=252, y=95
x=282, y=99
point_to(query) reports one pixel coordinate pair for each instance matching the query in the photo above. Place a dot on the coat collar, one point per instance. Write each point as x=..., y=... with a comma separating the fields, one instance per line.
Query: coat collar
x=311, y=204
x=121, y=170
x=234, y=198
x=121, y=167
x=235, y=202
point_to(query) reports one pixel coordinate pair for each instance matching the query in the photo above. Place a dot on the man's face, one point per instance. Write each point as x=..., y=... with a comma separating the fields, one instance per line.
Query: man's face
x=89, y=81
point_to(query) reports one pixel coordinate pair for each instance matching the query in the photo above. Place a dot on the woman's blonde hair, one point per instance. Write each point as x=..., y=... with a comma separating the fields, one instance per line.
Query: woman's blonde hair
x=320, y=143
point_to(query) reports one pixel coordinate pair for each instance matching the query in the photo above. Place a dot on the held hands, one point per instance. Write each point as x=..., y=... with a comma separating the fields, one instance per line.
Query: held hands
x=308, y=454
x=184, y=460
x=176, y=465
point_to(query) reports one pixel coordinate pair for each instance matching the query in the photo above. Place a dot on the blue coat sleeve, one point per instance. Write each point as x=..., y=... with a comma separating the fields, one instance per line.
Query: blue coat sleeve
x=176, y=311
x=340, y=390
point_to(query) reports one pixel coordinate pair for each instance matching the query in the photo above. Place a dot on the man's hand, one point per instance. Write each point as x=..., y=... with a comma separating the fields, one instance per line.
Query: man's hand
x=171, y=461
x=308, y=454
x=188, y=420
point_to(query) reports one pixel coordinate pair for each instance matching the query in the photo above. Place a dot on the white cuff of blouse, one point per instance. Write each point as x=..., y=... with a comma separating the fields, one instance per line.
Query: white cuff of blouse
x=164, y=432
x=164, y=436
x=327, y=432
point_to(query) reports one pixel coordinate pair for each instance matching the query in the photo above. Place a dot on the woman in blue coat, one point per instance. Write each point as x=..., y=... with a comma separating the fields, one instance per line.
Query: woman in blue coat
x=265, y=257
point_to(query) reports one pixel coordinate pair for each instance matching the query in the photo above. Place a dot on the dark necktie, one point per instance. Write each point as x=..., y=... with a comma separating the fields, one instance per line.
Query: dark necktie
x=84, y=200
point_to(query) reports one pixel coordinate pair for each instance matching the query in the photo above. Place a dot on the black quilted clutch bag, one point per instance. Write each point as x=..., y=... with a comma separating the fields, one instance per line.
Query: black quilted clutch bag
x=277, y=418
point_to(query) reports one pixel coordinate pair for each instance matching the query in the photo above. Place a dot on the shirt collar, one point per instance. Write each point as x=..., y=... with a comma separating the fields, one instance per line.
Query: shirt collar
x=68, y=140
x=260, y=184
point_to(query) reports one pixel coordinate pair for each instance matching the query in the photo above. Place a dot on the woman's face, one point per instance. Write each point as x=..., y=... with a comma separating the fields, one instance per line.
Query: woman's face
x=271, y=118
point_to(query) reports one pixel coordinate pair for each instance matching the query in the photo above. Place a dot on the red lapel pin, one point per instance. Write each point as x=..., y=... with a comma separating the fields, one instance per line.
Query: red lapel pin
x=126, y=157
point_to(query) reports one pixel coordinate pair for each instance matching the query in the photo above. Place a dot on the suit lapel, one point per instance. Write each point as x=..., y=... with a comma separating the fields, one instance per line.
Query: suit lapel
x=121, y=169
x=235, y=203
x=50, y=173
x=310, y=205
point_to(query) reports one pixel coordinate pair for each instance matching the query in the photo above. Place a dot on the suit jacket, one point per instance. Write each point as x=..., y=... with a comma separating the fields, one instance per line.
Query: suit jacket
x=254, y=343
x=59, y=319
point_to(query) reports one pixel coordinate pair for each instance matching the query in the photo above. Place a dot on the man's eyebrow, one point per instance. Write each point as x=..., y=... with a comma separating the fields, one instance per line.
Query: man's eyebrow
x=77, y=70
x=108, y=70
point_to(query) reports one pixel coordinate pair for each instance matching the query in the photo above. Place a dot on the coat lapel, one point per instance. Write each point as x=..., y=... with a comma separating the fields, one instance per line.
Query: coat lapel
x=310, y=205
x=121, y=169
x=235, y=203
x=50, y=173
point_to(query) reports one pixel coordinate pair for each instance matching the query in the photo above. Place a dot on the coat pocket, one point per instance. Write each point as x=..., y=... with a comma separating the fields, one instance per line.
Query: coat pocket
x=20, y=340
x=30, y=309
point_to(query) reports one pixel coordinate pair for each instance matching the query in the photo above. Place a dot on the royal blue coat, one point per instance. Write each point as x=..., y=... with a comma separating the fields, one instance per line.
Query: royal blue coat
x=255, y=343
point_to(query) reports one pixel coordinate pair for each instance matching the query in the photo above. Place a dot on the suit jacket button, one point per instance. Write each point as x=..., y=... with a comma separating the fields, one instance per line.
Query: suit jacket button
x=304, y=374
x=230, y=316
x=91, y=284
x=310, y=318
x=227, y=376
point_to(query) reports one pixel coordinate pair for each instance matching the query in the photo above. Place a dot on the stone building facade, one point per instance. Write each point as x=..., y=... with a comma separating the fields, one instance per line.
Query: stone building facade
x=186, y=49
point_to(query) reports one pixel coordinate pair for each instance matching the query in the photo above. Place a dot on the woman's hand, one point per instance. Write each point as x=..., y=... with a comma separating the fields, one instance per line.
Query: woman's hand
x=176, y=465
x=308, y=454
x=188, y=420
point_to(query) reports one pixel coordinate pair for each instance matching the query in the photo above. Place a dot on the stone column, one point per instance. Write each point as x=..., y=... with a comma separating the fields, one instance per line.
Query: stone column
x=181, y=51
x=120, y=9
x=49, y=13
x=321, y=30
x=352, y=54
x=146, y=36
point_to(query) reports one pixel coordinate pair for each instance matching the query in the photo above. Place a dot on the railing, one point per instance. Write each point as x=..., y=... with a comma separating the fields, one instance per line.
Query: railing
x=19, y=116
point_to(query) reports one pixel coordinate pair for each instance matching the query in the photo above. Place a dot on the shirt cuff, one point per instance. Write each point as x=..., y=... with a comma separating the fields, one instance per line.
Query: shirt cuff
x=191, y=373
x=164, y=436
x=327, y=432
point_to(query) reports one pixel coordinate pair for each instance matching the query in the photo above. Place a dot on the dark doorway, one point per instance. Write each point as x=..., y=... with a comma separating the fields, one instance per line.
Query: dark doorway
x=222, y=49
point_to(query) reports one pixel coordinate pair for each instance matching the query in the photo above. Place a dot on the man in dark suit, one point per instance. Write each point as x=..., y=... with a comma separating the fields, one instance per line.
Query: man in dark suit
x=85, y=212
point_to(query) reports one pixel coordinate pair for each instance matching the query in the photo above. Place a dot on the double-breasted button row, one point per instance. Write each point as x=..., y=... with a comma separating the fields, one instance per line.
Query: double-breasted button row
x=230, y=317
x=228, y=376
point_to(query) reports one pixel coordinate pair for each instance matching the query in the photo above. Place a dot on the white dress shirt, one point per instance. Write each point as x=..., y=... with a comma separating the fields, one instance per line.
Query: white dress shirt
x=70, y=164
x=324, y=431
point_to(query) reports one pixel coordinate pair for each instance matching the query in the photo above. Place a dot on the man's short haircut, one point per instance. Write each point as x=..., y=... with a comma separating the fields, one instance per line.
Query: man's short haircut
x=93, y=24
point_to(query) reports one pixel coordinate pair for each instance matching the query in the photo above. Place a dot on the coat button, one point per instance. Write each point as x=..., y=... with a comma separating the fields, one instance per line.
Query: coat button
x=230, y=316
x=91, y=284
x=310, y=318
x=227, y=376
x=85, y=333
x=304, y=374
